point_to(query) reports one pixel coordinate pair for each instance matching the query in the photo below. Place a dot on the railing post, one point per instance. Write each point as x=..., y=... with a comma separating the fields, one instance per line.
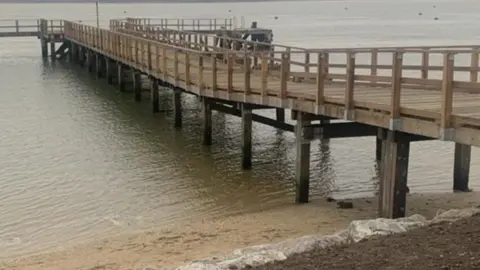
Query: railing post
x=425, y=63
x=187, y=70
x=157, y=58
x=149, y=55
x=446, y=131
x=320, y=99
x=230, y=62
x=374, y=66
x=175, y=67
x=246, y=75
x=285, y=74
x=397, y=61
x=201, y=85
x=264, y=79
x=307, y=62
x=349, y=86
x=164, y=63
x=214, y=73
x=474, y=65
x=272, y=56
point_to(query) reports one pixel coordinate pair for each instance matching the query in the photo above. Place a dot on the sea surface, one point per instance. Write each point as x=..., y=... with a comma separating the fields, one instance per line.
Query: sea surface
x=80, y=161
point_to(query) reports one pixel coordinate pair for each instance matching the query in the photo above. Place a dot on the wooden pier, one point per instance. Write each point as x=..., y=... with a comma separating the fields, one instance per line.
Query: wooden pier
x=396, y=95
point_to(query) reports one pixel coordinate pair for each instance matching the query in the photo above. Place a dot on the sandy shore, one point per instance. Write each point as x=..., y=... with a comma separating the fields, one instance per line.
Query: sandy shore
x=174, y=245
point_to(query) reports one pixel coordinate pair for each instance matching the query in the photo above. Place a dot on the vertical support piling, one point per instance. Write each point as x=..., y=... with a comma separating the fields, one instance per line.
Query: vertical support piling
x=303, y=134
x=207, y=121
x=461, y=167
x=53, y=54
x=121, y=76
x=393, y=176
x=137, y=85
x=280, y=114
x=43, y=38
x=109, y=70
x=89, y=60
x=177, y=108
x=73, y=51
x=378, y=145
x=246, y=136
x=69, y=51
x=98, y=65
x=154, y=94
x=81, y=56
x=44, y=45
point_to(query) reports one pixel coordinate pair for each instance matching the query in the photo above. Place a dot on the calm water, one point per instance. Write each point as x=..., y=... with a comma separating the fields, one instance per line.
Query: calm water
x=78, y=160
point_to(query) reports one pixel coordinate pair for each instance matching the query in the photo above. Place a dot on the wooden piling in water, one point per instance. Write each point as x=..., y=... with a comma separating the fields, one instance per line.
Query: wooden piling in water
x=177, y=108
x=44, y=46
x=154, y=94
x=378, y=148
x=73, y=52
x=43, y=38
x=207, y=121
x=81, y=56
x=121, y=76
x=246, y=136
x=461, y=167
x=137, y=85
x=109, y=70
x=303, y=135
x=98, y=65
x=89, y=60
x=280, y=114
x=53, y=55
x=393, y=177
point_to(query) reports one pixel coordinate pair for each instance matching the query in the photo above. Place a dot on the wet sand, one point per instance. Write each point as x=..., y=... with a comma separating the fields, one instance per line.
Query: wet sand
x=177, y=244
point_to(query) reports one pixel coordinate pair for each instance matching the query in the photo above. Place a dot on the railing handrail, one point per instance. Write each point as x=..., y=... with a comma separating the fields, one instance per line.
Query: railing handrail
x=296, y=49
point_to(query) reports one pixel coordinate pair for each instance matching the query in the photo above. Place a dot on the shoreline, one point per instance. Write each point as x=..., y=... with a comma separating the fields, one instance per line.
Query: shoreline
x=178, y=244
x=448, y=241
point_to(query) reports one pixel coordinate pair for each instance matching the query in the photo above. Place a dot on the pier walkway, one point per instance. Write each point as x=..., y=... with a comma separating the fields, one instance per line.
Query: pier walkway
x=399, y=95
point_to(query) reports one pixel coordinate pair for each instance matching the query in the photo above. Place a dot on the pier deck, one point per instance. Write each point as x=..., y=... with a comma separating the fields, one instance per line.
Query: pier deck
x=425, y=106
x=399, y=95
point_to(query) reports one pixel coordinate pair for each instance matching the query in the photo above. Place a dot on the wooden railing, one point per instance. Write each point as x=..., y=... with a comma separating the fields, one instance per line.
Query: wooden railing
x=440, y=69
x=190, y=24
x=12, y=28
x=421, y=66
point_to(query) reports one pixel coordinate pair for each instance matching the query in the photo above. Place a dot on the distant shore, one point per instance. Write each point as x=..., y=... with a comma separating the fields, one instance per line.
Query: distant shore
x=137, y=2
x=196, y=239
